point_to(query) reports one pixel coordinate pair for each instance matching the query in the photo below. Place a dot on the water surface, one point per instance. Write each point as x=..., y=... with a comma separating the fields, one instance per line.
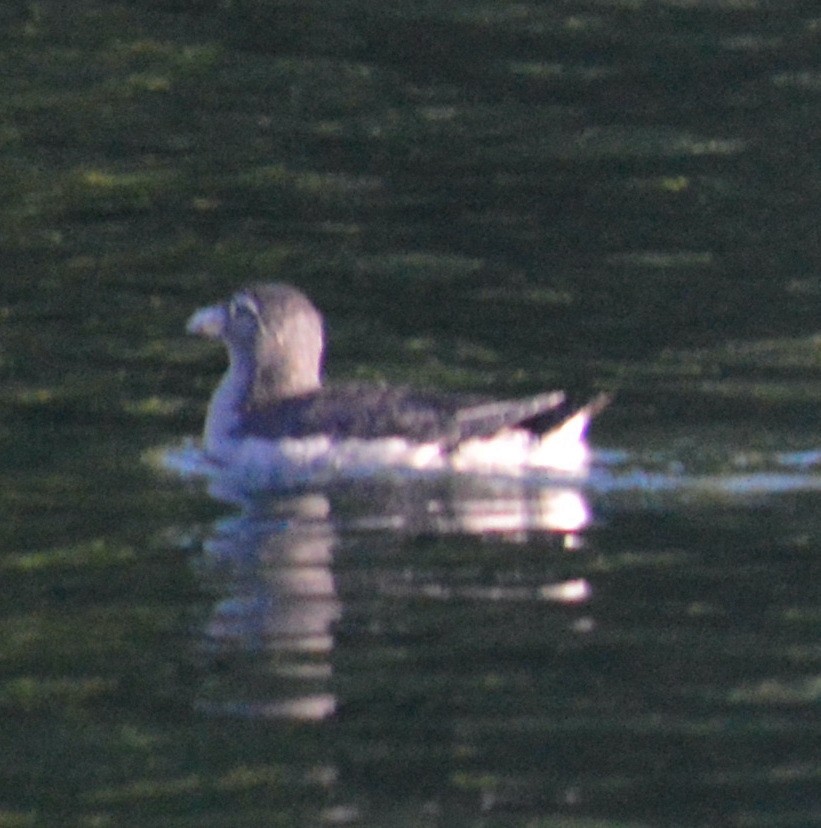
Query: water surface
x=494, y=197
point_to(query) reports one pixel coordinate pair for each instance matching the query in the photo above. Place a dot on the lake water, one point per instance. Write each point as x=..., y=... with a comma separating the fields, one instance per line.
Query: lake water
x=485, y=196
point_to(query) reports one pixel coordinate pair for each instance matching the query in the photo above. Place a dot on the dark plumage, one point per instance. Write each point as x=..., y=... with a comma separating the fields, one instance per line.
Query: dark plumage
x=354, y=411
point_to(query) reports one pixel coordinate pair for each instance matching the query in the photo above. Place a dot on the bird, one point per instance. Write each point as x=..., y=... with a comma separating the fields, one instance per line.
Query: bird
x=273, y=416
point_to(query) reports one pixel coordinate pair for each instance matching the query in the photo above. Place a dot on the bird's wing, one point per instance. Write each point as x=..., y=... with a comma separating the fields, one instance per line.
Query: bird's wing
x=373, y=412
x=539, y=414
x=489, y=418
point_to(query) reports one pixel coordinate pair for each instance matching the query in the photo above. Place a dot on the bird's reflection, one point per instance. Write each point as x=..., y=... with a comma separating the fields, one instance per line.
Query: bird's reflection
x=269, y=640
x=271, y=626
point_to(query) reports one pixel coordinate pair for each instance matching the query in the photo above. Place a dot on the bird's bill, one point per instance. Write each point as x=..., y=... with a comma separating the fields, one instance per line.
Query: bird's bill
x=208, y=322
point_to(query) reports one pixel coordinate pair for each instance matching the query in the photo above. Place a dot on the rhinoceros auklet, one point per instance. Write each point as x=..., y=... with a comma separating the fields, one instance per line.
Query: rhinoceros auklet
x=271, y=411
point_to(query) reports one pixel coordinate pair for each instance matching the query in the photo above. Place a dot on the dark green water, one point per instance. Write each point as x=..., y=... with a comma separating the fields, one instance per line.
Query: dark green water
x=487, y=196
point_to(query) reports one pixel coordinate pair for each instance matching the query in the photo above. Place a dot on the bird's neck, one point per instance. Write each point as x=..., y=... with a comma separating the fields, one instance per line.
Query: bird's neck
x=226, y=408
x=245, y=386
x=277, y=382
x=279, y=374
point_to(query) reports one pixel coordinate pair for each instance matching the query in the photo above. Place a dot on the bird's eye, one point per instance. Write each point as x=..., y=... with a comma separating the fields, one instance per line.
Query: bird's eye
x=243, y=305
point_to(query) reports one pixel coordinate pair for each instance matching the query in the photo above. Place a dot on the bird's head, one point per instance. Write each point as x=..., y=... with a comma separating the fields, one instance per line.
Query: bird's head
x=273, y=332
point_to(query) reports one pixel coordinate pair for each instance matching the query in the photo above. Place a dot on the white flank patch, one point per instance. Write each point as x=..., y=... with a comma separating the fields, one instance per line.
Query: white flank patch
x=263, y=463
x=256, y=464
x=563, y=449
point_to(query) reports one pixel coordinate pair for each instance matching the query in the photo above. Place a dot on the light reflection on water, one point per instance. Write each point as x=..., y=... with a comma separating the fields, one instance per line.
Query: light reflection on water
x=276, y=599
x=526, y=193
x=271, y=635
x=553, y=501
x=539, y=644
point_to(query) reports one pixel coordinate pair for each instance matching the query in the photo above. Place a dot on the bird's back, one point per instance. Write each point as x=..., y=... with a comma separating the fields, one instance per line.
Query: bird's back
x=374, y=412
